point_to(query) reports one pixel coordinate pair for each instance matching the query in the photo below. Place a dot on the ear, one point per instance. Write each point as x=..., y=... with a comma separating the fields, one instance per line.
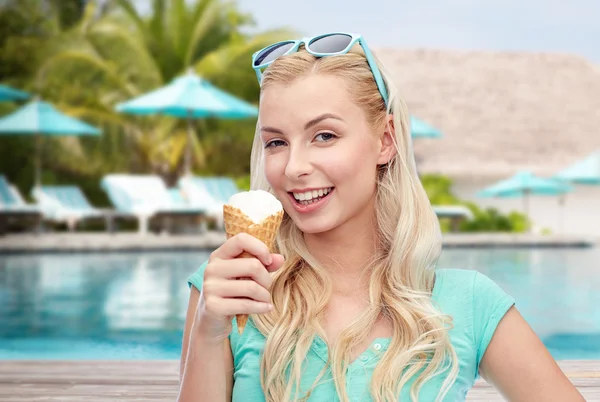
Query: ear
x=387, y=148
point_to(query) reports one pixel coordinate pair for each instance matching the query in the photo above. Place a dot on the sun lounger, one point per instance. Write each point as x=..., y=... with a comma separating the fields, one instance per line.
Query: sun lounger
x=147, y=197
x=65, y=204
x=13, y=209
x=211, y=192
x=456, y=213
x=16, y=194
x=453, y=211
x=207, y=189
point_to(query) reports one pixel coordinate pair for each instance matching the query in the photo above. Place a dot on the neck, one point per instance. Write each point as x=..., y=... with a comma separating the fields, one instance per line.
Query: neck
x=345, y=253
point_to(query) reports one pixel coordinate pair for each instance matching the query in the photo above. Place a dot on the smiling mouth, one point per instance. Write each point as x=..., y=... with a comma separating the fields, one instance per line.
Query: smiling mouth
x=310, y=197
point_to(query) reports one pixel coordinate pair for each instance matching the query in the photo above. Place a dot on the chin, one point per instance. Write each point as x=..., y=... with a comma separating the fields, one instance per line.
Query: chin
x=313, y=225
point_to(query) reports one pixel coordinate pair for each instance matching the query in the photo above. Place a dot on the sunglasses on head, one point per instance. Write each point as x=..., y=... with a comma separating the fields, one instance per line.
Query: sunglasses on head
x=331, y=44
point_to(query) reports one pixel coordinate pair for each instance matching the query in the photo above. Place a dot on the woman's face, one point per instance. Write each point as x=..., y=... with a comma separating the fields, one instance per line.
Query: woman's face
x=321, y=154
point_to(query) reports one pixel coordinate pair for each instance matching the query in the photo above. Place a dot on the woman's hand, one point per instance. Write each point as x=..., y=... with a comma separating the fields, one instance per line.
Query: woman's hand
x=224, y=295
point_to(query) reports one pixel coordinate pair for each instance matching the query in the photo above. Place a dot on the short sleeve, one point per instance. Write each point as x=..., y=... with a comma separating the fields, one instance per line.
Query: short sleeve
x=197, y=278
x=490, y=304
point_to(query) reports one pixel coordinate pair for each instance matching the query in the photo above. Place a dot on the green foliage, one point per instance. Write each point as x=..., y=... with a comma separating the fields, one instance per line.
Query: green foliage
x=26, y=27
x=491, y=220
x=439, y=189
x=488, y=220
x=243, y=182
x=519, y=222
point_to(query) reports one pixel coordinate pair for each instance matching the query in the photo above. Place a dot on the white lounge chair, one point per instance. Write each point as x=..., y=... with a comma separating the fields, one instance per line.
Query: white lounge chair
x=14, y=209
x=146, y=197
x=65, y=204
x=210, y=192
x=453, y=211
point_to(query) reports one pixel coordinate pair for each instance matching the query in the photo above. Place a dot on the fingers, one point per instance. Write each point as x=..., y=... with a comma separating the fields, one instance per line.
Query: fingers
x=239, y=289
x=277, y=262
x=239, y=268
x=240, y=243
x=239, y=285
x=229, y=307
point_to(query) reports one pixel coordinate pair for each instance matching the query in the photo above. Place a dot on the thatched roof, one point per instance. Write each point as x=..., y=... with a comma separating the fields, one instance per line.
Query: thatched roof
x=499, y=111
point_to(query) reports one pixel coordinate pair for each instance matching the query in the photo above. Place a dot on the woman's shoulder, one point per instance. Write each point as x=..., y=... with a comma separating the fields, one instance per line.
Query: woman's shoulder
x=454, y=276
x=451, y=282
x=476, y=302
x=467, y=289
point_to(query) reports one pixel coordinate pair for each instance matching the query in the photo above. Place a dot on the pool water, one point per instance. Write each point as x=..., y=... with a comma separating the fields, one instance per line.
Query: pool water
x=132, y=306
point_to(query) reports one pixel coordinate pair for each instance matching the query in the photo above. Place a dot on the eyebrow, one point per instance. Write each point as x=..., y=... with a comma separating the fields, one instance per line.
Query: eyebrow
x=308, y=125
x=320, y=118
x=271, y=130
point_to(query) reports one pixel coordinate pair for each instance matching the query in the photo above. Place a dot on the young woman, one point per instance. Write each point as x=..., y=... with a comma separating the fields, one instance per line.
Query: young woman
x=351, y=307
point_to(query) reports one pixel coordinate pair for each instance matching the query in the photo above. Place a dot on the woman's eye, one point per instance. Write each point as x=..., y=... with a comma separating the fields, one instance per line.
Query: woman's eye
x=324, y=137
x=274, y=143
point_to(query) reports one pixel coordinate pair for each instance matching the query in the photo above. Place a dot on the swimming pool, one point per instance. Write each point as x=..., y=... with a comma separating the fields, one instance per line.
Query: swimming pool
x=132, y=305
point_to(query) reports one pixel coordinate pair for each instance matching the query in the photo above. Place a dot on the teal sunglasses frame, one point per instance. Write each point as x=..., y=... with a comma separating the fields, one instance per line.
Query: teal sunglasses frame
x=308, y=41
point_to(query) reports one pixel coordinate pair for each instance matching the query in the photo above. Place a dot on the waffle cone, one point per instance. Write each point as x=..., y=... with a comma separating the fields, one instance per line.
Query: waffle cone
x=238, y=222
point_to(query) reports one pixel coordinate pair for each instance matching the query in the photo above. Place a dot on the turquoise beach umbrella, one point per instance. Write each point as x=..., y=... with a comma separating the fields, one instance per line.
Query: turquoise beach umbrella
x=40, y=118
x=420, y=129
x=190, y=97
x=523, y=184
x=10, y=94
x=586, y=171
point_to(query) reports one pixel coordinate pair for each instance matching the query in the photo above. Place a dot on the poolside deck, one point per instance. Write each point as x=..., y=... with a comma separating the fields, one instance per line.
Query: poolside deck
x=99, y=381
x=100, y=242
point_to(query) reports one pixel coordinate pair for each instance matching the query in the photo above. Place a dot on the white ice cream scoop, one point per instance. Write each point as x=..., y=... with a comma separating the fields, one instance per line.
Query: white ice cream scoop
x=256, y=204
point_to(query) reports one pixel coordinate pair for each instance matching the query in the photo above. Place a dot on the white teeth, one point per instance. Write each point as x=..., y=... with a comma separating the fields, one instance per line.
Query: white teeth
x=310, y=195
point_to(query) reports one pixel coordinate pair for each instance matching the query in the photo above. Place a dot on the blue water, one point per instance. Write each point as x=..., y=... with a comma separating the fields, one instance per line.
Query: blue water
x=132, y=306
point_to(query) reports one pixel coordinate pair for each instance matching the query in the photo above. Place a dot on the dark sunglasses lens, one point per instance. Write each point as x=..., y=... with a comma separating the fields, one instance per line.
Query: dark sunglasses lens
x=330, y=43
x=273, y=52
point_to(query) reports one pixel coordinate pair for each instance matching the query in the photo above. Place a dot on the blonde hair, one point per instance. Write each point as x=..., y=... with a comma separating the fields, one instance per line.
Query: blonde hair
x=401, y=271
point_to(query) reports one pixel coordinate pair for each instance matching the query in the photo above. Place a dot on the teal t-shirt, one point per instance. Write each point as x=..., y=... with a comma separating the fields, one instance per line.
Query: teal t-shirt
x=476, y=303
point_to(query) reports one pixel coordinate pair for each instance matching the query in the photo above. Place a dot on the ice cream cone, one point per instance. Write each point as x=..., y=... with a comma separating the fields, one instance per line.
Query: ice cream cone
x=237, y=222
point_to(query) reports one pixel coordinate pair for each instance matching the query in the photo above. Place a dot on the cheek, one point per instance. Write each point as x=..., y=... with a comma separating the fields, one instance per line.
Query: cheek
x=356, y=163
x=274, y=169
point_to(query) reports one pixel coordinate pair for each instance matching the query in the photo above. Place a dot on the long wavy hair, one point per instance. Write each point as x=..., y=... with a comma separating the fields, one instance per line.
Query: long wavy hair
x=401, y=269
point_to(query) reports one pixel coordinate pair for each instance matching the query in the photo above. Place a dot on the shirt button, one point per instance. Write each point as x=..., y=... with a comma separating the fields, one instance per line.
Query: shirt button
x=377, y=346
x=363, y=358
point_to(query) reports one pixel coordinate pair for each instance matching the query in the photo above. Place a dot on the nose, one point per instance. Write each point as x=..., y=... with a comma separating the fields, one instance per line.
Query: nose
x=298, y=163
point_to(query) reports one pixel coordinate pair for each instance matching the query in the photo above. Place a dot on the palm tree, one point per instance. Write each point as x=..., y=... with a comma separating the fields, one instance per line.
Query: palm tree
x=115, y=53
x=26, y=28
